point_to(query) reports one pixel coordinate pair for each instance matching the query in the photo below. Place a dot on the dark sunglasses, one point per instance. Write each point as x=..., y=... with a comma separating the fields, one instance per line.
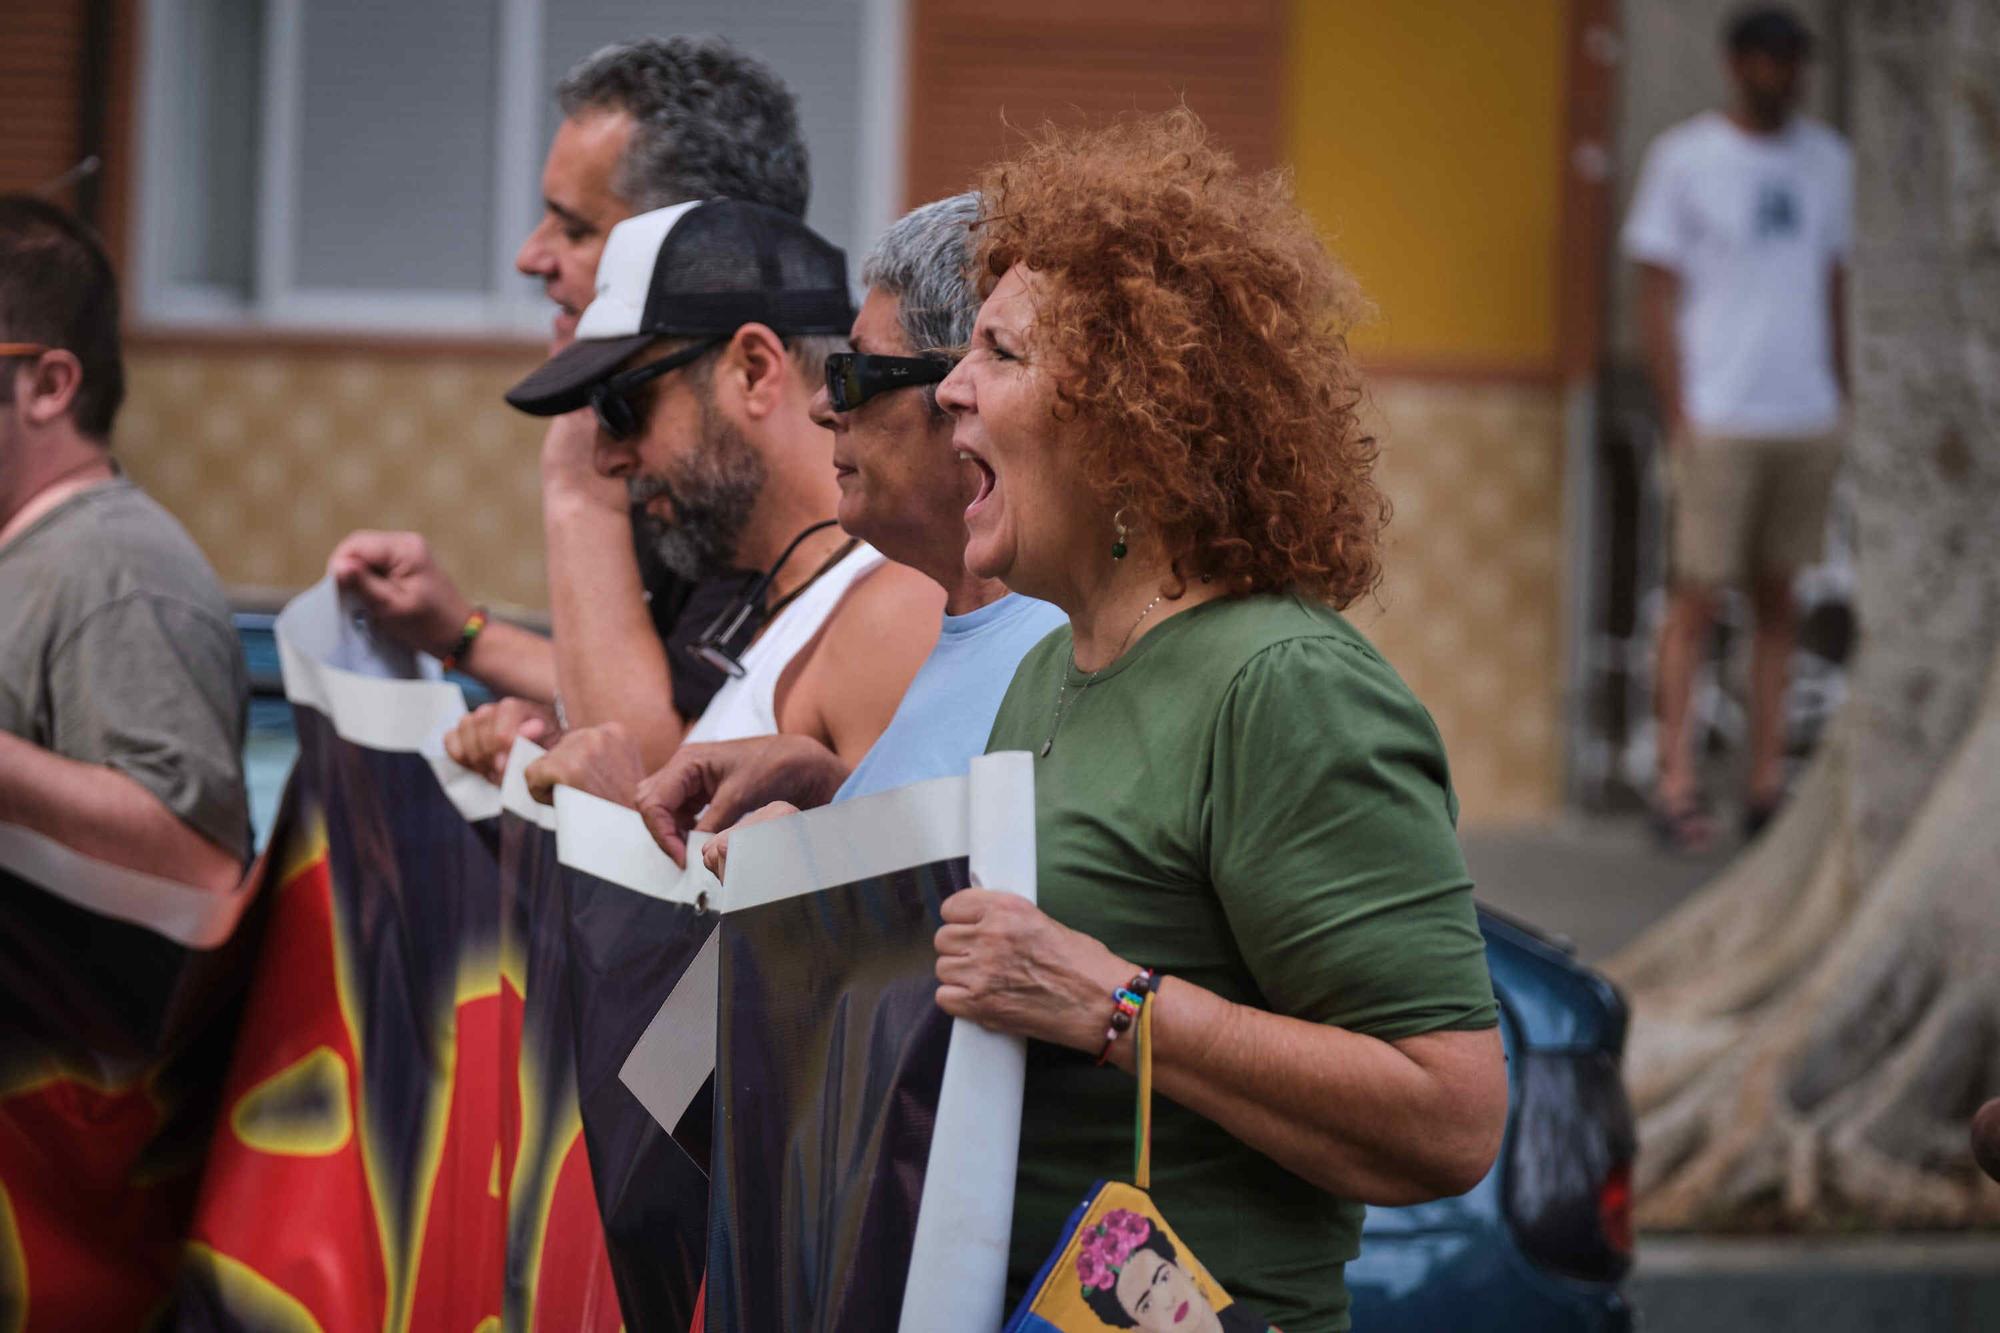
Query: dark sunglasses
x=852, y=378
x=612, y=399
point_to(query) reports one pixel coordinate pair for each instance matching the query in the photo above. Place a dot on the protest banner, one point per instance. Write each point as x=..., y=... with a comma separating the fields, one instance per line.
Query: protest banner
x=118, y=999
x=471, y=1058
x=370, y=1167
x=865, y=1144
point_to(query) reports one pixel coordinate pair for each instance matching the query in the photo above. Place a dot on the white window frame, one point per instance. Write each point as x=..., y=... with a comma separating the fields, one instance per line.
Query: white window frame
x=510, y=307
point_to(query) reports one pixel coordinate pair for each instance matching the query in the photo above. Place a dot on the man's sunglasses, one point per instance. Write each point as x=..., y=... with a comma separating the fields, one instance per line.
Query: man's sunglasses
x=852, y=378
x=612, y=399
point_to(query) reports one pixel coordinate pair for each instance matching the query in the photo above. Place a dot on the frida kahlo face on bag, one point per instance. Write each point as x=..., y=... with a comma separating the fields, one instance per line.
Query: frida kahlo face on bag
x=1131, y=1276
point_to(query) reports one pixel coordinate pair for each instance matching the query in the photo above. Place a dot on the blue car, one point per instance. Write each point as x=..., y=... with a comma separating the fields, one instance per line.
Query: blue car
x=1541, y=1245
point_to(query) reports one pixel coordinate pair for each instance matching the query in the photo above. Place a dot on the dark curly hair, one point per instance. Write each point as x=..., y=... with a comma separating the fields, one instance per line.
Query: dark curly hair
x=1204, y=328
x=713, y=122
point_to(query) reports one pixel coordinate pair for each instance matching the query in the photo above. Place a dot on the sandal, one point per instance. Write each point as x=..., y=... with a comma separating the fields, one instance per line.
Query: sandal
x=1684, y=829
x=1756, y=814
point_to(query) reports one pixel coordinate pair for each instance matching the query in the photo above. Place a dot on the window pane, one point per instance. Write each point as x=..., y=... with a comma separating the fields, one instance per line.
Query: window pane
x=396, y=146
x=813, y=45
x=209, y=234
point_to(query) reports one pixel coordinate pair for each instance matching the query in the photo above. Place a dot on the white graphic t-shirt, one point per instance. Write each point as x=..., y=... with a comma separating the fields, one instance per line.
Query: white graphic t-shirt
x=1753, y=224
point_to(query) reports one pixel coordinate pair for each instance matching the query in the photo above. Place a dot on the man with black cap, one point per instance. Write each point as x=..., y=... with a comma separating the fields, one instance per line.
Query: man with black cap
x=1740, y=227
x=646, y=124
x=690, y=360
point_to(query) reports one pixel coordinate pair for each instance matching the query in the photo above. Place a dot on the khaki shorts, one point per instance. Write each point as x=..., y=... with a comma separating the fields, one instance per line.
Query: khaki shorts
x=1747, y=508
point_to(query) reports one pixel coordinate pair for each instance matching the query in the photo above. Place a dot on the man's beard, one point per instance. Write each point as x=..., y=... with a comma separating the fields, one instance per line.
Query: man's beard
x=713, y=491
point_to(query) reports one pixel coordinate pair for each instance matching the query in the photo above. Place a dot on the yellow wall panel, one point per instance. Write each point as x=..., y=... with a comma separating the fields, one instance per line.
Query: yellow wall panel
x=1426, y=135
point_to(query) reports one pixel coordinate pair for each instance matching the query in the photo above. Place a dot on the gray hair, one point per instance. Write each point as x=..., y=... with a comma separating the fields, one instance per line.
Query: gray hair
x=712, y=122
x=925, y=261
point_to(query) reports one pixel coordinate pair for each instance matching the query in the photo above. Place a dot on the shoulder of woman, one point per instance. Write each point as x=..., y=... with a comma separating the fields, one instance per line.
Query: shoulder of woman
x=1324, y=677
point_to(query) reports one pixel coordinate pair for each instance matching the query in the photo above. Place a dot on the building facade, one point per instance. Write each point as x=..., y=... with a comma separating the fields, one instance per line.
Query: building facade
x=315, y=207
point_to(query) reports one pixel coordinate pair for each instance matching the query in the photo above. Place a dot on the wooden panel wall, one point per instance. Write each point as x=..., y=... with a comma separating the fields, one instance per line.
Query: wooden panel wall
x=41, y=68
x=977, y=69
x=66, y=84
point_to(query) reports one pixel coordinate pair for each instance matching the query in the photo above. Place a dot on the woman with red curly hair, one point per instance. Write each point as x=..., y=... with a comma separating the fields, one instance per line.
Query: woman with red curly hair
x=1233, y=788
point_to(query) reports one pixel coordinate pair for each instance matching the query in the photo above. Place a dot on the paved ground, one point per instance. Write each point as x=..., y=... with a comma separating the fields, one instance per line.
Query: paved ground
x=1920, y=1283
x=1599, y=882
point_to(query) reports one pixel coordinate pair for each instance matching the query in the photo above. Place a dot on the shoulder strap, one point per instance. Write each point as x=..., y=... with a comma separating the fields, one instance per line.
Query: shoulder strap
x=1142, y=1148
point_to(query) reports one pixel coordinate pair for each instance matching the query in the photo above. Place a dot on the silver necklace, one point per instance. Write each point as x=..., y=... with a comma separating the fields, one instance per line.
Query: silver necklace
x=1062, y=694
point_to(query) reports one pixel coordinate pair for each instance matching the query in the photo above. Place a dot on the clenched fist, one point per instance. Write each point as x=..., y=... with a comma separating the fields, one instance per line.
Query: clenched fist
x=402, y=588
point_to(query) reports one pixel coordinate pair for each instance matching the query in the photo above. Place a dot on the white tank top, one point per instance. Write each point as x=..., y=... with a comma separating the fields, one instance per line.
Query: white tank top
x=746, y=705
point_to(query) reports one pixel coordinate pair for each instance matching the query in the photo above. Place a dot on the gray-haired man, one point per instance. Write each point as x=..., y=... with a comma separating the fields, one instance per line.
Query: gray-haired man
x=646, y=124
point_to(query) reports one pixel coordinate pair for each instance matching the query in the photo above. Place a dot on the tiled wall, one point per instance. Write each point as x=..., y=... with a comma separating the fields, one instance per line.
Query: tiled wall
x=269, y=456
x=1470, y=606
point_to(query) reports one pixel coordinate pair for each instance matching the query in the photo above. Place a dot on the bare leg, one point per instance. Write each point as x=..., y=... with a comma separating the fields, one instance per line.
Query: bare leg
x=1683, y=635
x=1770, y=660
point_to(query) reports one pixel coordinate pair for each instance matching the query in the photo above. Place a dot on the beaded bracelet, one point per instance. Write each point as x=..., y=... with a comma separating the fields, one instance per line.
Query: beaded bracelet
x=1126, y=1002
x=473, y=624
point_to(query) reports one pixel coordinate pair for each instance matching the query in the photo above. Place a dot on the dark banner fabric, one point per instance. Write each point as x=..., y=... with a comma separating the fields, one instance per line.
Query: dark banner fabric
x=118, y=996
x=864, y=1142
x=390, y=1151
x=830, y=1051
x=599, y=959
x=626, y=953
x=554, y=1246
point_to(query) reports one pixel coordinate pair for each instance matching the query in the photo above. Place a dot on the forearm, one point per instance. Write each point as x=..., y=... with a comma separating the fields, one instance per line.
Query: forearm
x=512, y=661
x=1659, y=300
x=610, y=665
x=1358, y=1117
x=104, y=814
x=1837, y=300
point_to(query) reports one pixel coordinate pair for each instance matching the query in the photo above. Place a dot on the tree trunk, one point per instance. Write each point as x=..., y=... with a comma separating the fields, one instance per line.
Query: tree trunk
x=1814, y=1030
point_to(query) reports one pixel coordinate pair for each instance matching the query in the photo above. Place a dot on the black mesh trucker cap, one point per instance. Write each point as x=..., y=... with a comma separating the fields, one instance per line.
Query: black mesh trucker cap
x=699, y=269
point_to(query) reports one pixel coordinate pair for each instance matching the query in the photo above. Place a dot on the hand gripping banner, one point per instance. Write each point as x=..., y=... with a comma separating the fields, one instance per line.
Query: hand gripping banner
x=865, y=1144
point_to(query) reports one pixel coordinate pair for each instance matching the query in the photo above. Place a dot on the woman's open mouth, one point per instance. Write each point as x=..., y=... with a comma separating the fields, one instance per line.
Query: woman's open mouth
x=986, y=480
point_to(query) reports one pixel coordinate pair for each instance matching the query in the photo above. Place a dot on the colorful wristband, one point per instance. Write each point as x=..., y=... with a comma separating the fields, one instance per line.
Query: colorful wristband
x=1126, y=1002
x=473, y=624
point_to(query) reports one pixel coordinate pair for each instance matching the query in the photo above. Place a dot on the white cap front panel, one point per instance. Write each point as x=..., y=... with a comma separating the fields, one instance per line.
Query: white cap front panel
x=625, y=273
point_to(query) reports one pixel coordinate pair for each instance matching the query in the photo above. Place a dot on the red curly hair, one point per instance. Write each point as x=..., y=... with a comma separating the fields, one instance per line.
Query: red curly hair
x=1207, y=328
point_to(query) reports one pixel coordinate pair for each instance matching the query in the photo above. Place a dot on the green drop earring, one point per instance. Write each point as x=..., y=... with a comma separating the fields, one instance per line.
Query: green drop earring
x=1118, y=547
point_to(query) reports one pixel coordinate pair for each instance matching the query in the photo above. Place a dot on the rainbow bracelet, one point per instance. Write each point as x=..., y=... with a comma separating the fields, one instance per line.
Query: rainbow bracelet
x=473, y=624
x=1126, y=1002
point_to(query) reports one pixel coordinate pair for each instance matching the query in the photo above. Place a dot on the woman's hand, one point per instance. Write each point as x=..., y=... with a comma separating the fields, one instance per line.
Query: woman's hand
x=1007, y=965
x=713, y=785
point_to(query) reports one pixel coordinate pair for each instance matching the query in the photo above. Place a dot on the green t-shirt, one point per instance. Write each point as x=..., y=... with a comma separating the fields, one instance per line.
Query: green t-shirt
x=1250, y=800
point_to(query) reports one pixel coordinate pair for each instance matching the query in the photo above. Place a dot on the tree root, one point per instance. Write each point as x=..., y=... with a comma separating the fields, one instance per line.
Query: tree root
x=1808, y=1056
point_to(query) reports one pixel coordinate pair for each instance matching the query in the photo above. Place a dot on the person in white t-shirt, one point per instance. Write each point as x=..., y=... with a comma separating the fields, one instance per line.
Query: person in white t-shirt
x=1740, y=228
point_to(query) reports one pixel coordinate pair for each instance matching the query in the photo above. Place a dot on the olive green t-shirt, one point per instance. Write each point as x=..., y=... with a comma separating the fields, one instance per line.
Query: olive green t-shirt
x=1250, y=800
x=116, y=648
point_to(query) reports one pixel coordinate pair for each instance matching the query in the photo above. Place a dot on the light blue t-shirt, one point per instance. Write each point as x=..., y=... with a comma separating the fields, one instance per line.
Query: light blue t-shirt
x=948, y=709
